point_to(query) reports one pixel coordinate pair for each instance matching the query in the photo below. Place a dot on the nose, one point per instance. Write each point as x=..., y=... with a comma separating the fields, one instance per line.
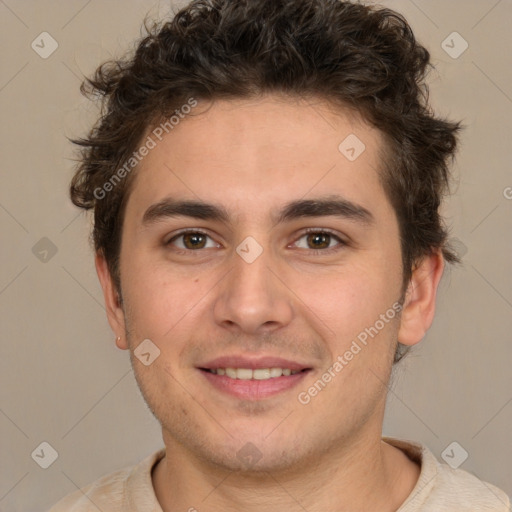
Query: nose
x=252, y=297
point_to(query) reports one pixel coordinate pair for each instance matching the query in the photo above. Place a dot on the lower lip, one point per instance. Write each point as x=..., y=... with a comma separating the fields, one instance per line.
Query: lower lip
x=254, y=389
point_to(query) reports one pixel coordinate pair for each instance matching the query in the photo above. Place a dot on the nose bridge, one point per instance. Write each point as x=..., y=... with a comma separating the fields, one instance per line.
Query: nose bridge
x=251, y=297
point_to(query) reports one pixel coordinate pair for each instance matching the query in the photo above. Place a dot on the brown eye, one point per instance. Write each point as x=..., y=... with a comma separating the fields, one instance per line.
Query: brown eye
x=191, y=240
x=319, y=240
x=194, y=240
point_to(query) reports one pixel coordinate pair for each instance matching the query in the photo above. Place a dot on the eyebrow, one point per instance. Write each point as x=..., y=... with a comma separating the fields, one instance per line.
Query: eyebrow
x=333, y=205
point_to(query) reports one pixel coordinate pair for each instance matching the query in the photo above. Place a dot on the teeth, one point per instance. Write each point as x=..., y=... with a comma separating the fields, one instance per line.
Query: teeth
x=276, y=372
x=231, y=372
x=258, y=374
x=261, y=374
x=244, y=373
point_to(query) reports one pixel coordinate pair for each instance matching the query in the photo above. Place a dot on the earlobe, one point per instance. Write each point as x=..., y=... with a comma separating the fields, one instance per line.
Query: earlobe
x=420, y=299
x=115, y=313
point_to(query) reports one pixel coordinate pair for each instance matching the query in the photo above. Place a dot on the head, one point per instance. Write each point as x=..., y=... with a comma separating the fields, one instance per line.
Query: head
x=245, y=106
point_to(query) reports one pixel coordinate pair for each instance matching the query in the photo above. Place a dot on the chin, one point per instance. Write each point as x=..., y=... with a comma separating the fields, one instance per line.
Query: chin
x=250, y=459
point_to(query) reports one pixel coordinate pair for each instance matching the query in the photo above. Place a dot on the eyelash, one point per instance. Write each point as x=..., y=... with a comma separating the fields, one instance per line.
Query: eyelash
x=340, y=245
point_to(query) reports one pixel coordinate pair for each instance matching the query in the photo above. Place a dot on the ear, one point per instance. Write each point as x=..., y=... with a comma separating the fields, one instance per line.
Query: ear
x=115, y=313
x=420, y=299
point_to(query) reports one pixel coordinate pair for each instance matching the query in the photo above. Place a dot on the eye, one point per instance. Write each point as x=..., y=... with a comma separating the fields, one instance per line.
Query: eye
x=319, y=240
x=192, y=240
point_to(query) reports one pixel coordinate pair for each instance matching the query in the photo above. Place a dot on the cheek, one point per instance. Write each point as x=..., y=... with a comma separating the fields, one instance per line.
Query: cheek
x=349, y=299
x=156, y=299
x=349, y=304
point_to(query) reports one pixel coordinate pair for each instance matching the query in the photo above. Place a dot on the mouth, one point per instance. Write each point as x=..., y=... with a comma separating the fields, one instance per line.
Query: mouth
x=256, y=374
x=253, y=379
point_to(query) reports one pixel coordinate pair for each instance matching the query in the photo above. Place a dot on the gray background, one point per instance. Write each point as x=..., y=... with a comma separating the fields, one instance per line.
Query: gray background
x=64, y=382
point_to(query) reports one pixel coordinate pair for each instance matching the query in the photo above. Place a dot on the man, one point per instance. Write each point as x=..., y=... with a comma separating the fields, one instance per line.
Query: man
x=265, y=183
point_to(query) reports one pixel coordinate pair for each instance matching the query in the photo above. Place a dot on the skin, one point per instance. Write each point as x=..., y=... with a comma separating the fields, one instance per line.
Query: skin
x=252, y=157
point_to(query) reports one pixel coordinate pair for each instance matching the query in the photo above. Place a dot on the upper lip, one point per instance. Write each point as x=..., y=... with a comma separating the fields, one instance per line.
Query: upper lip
x=253, y=363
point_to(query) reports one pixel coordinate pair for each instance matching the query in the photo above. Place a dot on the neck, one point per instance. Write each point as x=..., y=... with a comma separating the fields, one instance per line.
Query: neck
x=361, y=474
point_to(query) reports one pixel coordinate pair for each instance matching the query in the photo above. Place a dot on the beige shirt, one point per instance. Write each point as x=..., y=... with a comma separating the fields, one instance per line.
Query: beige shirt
x=439, y=488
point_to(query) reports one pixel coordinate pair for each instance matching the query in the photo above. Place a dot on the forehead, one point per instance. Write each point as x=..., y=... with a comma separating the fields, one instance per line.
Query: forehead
x=250, y=155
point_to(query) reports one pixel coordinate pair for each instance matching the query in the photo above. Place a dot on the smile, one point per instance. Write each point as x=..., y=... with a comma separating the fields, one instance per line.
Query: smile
x=250, y=374
x=253, y=384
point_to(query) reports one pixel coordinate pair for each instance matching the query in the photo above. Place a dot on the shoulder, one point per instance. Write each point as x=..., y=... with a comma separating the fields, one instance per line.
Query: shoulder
x=441, y=488
x=463, y=491
x=108, y=489
x=114, y=491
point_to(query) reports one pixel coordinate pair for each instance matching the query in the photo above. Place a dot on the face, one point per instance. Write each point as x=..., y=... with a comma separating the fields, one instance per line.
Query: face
x=251, y=242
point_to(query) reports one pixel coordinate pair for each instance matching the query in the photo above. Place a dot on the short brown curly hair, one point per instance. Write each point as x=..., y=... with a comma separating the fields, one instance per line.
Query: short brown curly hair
x=360, y=57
